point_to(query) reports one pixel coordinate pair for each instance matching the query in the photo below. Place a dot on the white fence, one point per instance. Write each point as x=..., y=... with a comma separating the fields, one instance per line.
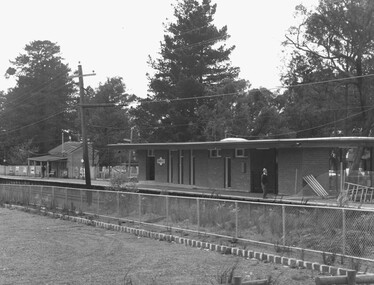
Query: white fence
x=325, y=231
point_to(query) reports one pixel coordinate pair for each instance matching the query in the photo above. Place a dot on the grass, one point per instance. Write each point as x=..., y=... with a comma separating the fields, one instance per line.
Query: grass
x=89, y=255
x=312, y=228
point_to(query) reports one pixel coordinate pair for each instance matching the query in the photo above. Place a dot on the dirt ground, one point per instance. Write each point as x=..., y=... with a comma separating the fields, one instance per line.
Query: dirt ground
x=41, y=250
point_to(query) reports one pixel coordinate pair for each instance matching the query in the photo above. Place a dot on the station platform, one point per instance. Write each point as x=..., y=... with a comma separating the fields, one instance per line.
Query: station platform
x=178, y=189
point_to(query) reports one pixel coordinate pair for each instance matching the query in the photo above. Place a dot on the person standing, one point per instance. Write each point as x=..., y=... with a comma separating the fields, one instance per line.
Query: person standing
x=264, y=182
x=43, y=170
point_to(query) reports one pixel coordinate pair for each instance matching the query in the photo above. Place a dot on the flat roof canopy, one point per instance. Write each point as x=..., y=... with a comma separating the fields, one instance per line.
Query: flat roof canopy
x=47, y=158
x=330, y=142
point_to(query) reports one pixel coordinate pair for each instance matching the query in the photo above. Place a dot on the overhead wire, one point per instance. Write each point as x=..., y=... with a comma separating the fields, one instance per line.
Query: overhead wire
x=36, y=88
x=315, y=127
x=186, y=98
x=322, y=81
x=33, y=123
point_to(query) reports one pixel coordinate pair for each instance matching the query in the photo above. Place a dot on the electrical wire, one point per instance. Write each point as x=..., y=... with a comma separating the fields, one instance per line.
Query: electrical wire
x=36, y=88
x=323, y=81
x=33, y=123
x=313, y=128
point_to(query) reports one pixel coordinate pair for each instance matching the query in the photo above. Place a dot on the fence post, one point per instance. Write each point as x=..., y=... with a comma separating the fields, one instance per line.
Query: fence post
x=351, y=277
x=53, y=197
x=41, y=195
x=341, y=177
x=118, y=204
x=284, y=224
x=140, y=208
x=167, y=209
x=81, y=196
x=198, y=214
x=66, y=197
x=344, y=231
x=98, y=203
x=236, y=220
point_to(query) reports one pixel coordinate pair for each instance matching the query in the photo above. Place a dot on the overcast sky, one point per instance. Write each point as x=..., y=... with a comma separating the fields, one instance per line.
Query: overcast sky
x=115, y=37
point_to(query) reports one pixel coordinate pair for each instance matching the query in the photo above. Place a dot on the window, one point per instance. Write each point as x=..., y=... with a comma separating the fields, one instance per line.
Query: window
x=151, y=153
x=240, y=152
x=214, y=153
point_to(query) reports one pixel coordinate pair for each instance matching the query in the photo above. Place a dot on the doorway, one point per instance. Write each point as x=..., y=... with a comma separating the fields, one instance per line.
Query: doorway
x=260, y=159
x=150, y=166
x=227, y=180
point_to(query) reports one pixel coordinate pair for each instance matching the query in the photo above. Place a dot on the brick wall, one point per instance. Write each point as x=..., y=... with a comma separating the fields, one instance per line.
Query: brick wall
x=316, y=162
x=289, y=168
x=240, y=173
x=294, y=164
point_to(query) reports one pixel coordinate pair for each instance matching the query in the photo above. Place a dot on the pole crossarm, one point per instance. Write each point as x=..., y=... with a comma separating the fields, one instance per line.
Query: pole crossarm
x=82, y=75
x=98, y=105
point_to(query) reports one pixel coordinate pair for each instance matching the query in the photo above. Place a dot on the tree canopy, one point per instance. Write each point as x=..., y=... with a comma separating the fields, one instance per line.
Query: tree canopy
x=39, y=106
x=110, y=124
x=194, y=64
x=334, y=42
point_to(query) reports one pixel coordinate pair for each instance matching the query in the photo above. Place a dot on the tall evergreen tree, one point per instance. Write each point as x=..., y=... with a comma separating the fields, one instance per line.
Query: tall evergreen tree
x=194, y=63
x=39, y=106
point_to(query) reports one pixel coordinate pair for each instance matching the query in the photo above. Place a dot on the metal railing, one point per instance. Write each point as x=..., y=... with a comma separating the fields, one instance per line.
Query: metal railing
x=335, y=231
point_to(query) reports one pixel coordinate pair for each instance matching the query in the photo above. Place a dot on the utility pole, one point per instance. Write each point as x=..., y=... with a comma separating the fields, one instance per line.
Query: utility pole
x=84, y=135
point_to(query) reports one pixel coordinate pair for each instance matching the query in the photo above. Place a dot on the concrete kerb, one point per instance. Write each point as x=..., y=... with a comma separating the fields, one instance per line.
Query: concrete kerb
x=247, y=254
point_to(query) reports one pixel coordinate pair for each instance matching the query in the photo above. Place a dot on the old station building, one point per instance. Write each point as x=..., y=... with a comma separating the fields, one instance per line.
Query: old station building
x=235, y=163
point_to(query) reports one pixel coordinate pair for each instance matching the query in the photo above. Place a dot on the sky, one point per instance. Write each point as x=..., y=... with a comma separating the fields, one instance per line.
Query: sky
x=115, y=37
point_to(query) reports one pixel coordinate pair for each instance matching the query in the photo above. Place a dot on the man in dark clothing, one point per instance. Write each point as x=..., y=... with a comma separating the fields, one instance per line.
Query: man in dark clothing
x=264, y=182
x=43, y=171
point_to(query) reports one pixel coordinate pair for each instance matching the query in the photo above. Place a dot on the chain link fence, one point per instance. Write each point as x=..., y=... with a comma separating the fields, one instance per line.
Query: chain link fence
x=337, y=231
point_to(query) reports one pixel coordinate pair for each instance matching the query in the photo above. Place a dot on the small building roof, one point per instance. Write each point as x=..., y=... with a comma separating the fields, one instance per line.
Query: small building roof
x=59, y=152
x=341, y=142
x=68, y=147
x=45, y=158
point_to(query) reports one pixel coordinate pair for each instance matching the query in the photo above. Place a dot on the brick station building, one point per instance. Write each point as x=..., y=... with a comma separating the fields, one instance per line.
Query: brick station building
x=235, y=163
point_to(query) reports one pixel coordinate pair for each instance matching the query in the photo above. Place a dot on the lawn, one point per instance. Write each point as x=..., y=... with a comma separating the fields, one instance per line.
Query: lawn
x=35, y=249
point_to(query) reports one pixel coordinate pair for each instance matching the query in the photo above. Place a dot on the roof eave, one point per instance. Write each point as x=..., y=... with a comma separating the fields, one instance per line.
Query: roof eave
x=330, y=142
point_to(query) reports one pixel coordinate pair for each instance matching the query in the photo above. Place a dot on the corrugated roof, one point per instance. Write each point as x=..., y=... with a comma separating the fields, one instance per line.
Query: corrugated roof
x=69, y=147
x=47, y=158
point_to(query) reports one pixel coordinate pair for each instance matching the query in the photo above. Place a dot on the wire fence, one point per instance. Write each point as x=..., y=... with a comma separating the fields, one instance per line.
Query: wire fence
x=336, y=231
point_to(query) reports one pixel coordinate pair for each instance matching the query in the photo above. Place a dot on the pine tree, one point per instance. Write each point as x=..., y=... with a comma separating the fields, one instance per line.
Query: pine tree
x=39, y=106
x=194, y=63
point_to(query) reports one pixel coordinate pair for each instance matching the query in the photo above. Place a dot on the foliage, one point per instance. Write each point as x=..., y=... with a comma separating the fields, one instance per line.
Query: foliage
x=333, y=42
x=226, y=275
x=18, y=155
x=257, y=115
x=194, y=63
x=40, y=105
x=110, y=124
x=122, y=182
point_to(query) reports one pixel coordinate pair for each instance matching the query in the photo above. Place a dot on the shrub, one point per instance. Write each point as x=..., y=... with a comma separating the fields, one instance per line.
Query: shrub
x=122, y=182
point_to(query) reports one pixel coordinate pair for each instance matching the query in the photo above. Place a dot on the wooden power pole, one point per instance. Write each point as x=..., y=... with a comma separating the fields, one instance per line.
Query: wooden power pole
x=86, y=162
